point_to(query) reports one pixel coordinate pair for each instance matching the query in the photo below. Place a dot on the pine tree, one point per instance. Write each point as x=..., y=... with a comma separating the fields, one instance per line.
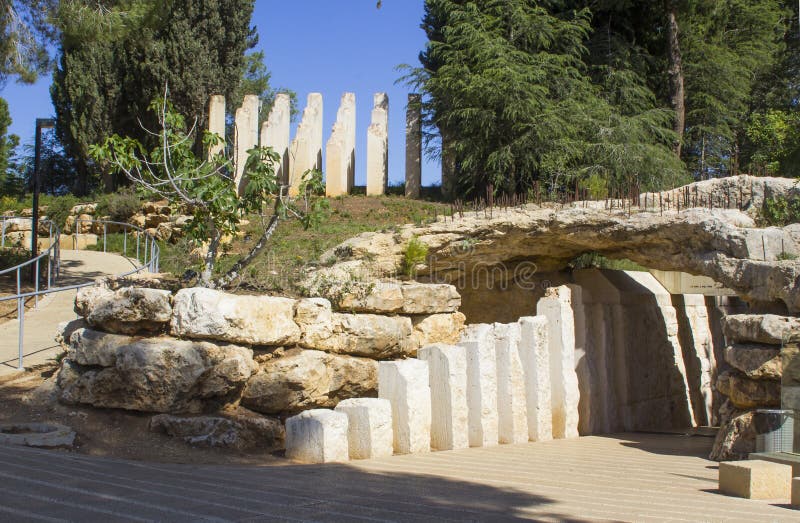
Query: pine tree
x=107, y=78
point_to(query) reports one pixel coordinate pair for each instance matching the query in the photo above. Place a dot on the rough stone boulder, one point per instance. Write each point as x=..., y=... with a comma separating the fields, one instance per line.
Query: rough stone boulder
x=237, y=429
x=756, y=361
x=153, y=375
x=438, y=328
x=746, y=393
x=401, y=298
x=254, y=320
x=736, y=438
x=302, y=379
x=367, y=335
x=129, y=310
x=759, y=328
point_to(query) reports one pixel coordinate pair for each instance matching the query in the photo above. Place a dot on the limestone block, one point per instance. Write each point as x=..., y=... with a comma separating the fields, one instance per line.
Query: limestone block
x=448, y=382
x=306, y=148
x=376, y=298
x=425, y=298
x=756, y=361
x=378, y=147
x=158, y=375
x=534, y=353
x=438, y=328
x=748, y=394
x=405, y=383
x=245, y=137
x=275, y=133
x=759, y=328
x=94, y=348
x=368, y=335
x=216, y=122
x=131, y=310
x=317, y=436
x=756, y=479
x=237, y=428
x=341, y=149
x=698, y=347
x=796, y=492
x=512, y=409
x=370, y=434
x=413, y=146
x=257, y=320
x=556, y=306
x=478, y=341
x=300, y=379
x=315, y=319
x=736, y=438
x=78, y=242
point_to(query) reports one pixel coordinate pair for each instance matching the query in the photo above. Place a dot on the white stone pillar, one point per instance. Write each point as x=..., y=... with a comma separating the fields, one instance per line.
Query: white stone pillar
x=556, y=306
x=305, y=153
x=378, y=147
x=370, y=434
x=216, y=123
x=246, y=137
x=317, y=436
x=512, y=409
x=340, y=152
x=405, y=383
x=275, y=133
x=535, y=355
x=702, y=351
x=448, y=382
x=413, y=146
x=478, y=340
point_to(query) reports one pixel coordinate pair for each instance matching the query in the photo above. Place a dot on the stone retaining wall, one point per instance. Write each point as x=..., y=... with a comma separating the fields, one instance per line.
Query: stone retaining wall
x=200, y=350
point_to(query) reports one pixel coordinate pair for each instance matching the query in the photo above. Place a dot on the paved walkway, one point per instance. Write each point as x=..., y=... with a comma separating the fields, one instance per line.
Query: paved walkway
x=40, y=324
x=632, y=477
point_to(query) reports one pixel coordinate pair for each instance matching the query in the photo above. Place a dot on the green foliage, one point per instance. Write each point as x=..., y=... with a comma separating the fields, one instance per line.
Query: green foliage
x=593, y=260
x=24, y=35
x=120, y=205
x=59, y=208
x=106, y=78
x=779, y=212
x=256, y=80
x=8, y=143
x=775, y=136
x=508, y=90
x=414, y=253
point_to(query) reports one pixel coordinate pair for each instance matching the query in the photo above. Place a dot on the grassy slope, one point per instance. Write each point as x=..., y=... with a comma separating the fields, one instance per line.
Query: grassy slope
x=291, y=247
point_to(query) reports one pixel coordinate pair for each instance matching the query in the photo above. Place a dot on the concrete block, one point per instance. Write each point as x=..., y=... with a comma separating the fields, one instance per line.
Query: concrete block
x=756, y=479
x=478, y=340
x=275, y=133
x=796, y=492
x=512, y=410
x=306, y=148
x=448, y=382
x=340, y=151
x=317, y=436
x=370, y=434
x=378, y=147
x=535, y=356
x=405, y=383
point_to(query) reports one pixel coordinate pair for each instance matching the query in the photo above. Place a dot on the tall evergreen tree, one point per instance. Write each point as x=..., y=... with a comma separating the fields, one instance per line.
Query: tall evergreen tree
x=104, y=84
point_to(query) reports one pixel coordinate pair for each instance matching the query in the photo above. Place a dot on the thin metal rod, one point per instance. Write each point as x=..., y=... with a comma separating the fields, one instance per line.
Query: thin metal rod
x=36, y=285
x=105, y=229
x=21, y=318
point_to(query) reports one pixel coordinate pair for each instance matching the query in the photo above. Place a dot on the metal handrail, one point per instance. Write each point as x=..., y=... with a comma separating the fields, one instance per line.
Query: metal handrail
x=149, y=259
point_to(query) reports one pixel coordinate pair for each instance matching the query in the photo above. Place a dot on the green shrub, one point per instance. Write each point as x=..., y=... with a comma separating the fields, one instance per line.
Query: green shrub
x=415, y=253
x=119, y=206
x=59, y=208
x=779, y=212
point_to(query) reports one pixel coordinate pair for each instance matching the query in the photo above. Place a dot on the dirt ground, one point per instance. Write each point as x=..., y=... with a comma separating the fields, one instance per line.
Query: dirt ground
x=109, y=432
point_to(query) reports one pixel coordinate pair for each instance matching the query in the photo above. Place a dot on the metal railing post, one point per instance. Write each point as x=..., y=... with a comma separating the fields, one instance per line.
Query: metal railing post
x=125, y=242
x=21, y=320
x=105, y=229
x=36, y=286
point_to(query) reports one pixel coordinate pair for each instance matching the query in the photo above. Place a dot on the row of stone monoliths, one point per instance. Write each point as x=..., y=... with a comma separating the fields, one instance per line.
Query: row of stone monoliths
x=504, y=383
x=305, y=151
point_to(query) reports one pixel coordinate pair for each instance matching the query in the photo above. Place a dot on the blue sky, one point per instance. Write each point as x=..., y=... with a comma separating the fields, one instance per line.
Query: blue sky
x=326, y=46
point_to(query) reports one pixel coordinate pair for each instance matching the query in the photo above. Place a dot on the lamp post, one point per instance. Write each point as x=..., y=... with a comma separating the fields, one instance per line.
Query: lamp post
x=41, y=123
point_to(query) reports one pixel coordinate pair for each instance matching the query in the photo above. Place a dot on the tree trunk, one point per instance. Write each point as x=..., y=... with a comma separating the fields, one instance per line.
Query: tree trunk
x=676, y=88
x=210, y=259
x=257, y=249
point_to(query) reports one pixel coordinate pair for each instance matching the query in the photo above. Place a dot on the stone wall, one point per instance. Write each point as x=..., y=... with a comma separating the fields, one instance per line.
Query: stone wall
x=200, y=351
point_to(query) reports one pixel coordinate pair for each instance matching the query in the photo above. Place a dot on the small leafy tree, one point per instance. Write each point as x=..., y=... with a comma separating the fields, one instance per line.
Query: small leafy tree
x=205, y=187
